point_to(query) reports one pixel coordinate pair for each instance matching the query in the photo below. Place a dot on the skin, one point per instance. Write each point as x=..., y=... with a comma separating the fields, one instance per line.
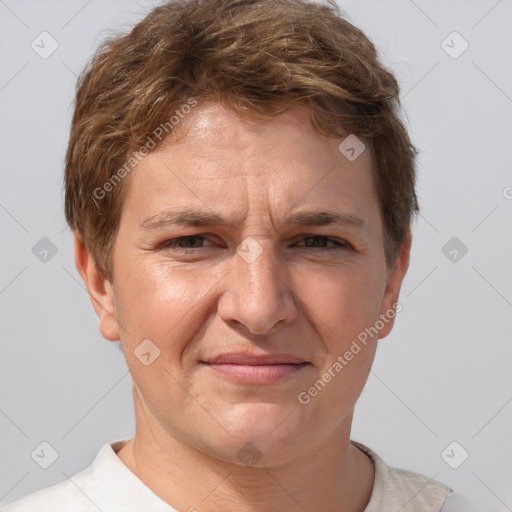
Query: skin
x=300, y=296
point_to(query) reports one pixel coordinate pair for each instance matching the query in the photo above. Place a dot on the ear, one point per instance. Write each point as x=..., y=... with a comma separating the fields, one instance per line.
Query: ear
x=390, y=305
x=100, y=290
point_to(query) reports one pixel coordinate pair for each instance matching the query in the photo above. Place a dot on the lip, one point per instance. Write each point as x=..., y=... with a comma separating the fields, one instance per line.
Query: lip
x=254, y=359
x=256, y=369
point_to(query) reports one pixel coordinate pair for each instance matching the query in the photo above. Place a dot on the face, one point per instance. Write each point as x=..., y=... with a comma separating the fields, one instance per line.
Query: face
x=251, y=255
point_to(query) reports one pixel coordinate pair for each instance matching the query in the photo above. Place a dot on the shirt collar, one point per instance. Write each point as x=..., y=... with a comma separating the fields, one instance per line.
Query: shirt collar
x=393, y=488
x=122, y=489
x=399, y=489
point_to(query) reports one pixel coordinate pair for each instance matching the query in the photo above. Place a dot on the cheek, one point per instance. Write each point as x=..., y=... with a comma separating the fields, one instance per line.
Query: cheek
x=349, y=303
x=345, y=302
x=159, y=302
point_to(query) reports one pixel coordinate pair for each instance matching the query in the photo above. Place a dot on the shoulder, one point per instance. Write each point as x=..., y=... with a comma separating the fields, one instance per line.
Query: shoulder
x=400, y=489
x=83, y=492
x=407, y=491
x=107, y=484
x=457, y=503
x=73, y=492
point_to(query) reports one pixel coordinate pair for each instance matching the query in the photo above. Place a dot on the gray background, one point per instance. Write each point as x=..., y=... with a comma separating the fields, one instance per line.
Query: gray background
x=444, y=373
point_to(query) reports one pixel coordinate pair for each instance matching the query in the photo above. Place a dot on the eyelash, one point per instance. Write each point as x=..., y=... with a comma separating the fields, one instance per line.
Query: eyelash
x=173, y=244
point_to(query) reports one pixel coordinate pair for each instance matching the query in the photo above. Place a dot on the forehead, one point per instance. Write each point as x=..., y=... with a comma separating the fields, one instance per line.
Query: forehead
x=213, y=130
x=220, y=159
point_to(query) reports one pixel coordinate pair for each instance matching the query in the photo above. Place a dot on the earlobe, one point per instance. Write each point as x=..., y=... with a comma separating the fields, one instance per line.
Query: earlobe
x=100, y=290
x=390, y=304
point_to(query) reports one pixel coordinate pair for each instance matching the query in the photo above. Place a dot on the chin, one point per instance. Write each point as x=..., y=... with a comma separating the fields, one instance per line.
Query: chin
x=264, y=453
x=260, y=435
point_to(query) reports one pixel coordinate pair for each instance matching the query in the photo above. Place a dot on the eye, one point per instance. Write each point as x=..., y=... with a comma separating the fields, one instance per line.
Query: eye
x=194, y=243
x=323, y=242
x=185, y=243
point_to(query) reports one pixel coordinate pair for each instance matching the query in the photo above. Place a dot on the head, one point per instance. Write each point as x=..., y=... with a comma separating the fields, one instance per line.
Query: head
x=216, y=211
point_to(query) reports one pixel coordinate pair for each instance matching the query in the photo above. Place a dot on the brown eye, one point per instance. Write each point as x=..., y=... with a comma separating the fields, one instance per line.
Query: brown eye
x=322, y=242
x=185, y=243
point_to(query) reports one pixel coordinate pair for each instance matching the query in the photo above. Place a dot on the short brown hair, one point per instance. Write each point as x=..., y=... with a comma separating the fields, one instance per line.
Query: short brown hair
x=257, y=57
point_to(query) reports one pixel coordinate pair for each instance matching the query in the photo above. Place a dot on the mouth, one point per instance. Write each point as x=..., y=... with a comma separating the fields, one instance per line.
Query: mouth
x=251, y=369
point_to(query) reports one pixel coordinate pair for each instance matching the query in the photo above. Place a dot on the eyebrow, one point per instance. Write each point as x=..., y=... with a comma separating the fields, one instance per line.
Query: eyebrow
x=196, y=218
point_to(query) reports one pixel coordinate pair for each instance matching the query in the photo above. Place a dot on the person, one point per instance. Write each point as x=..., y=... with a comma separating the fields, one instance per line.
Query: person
x=241, y=190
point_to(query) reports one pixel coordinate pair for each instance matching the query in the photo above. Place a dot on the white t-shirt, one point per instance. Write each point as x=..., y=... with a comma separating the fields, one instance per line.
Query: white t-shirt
x=108, y=485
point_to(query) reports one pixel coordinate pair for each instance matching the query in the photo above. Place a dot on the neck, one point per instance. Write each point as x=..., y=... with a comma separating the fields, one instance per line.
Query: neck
x=336, y=476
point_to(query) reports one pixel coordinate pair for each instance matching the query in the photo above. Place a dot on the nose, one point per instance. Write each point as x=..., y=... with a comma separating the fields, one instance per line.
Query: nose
x=258, y=294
